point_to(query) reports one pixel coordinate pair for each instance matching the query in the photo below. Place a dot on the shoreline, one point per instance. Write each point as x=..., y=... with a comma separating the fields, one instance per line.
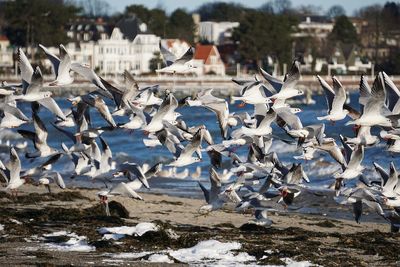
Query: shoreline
x=303, y=237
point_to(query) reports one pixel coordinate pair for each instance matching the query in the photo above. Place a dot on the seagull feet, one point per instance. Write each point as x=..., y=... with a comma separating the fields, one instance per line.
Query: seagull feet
x=241, y=105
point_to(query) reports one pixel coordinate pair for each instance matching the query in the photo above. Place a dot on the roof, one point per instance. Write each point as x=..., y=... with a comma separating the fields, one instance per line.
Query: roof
x=3, y=38
x=129, y=27
x=203, y=51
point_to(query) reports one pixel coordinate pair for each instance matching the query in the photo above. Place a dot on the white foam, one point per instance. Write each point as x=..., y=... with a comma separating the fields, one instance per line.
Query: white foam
x=75, y=243
x=120, y=232
x=212, y=252
x=281, y=147
x=1, y=227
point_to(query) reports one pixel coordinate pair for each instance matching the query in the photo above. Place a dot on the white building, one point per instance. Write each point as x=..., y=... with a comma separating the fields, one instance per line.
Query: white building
x=117, y=54
x=317, y=28
x=6, y=53
x=216, y=32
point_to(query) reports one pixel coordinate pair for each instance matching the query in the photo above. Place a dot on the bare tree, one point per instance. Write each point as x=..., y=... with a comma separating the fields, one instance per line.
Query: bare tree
x=95, y=8
x=336, y=11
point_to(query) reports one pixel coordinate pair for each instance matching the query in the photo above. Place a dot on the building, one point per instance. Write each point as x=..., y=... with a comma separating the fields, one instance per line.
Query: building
x=117, y=54
x=6, y=53
x=125, y=46
x=216, y=32
x=208, y=61
x=318, y=27
x=85, y=30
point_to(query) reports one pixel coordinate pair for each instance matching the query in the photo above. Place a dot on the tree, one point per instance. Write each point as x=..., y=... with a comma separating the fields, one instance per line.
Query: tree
x=158, y=22
x=156, y=19
x=43, y=21
x=308, y=10
x=261, y=35
x=277, y=7
x=220, y=11
x=344, y=31
x=335, y=11
x=140, y=11
x=180, y=25
x=372, y=33
x=156, y=62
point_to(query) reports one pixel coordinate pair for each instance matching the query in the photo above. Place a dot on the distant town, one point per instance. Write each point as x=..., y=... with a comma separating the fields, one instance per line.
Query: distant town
x=229, y=39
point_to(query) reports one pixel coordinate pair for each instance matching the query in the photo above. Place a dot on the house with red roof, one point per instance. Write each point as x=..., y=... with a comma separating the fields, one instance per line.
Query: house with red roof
x=207, y=60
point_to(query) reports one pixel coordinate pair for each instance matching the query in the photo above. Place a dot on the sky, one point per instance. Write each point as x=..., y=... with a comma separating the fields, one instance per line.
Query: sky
x=170, y=5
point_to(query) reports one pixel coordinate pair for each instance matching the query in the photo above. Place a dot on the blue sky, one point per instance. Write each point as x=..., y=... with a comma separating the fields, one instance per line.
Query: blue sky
x=170, y=5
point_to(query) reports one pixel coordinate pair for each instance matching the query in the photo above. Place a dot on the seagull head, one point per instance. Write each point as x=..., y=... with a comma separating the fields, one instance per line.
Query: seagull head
x=47, y=94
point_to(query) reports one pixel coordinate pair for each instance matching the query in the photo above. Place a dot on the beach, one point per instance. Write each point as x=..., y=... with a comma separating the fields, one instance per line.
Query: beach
x=30, y=221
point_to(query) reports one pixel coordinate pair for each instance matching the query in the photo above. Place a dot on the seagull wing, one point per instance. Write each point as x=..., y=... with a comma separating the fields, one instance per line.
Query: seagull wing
x=25, y=68
x=340, y=94
x=89, y=74
x=275, y=82
x=65, y=63
x=329, y=93
x=123, y=189
x=168, y=57
x=52, y=105
x=187, y=56
x=292, y=77
x=55, y=61
x=392, y=92
x=36, y=82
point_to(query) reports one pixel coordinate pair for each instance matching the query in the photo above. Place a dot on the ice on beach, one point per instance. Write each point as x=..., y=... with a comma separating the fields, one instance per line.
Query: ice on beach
x=160, y=258
x=130, y=255
x=1, y=227
x=292, y=263
x=15, y=221
x=120, y=232
x=213, y=252
x=75, y=243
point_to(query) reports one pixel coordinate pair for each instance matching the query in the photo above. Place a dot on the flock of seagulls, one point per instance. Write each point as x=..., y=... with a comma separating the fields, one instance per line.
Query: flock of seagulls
x=259, y=181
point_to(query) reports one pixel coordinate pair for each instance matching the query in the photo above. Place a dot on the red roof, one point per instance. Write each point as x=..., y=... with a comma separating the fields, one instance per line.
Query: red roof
x=3, y=38
x=203, y=51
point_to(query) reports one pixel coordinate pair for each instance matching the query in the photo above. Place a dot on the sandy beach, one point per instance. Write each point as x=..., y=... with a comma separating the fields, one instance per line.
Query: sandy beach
x=28, y=221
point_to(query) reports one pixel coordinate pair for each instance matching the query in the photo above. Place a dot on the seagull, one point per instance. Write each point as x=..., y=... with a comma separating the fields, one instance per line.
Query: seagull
x=32, y=82
x=61, y=66
x=213, y=197
x=173, y=65
x=39, y=138
x=254, y=93
x=288, y=89
x=12, y=173
x=262, y=126
x=165, y=113
x=217, y=105
x=335, y=98
x=121, y=189
x=54, y=177
x=353, y=167
x=196, y=174
x=375, y=111
x=185, y=156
